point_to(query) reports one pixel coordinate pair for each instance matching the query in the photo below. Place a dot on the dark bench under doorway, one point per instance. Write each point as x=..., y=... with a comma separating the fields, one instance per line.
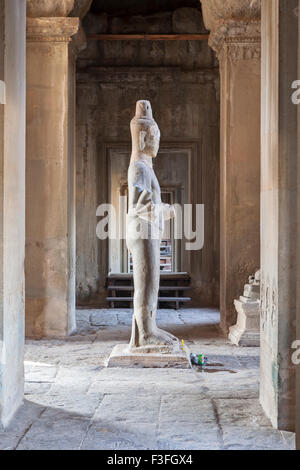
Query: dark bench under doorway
x=172, y=290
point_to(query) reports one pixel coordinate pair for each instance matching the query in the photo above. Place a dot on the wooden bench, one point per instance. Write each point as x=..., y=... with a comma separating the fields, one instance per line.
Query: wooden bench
x=171, y=291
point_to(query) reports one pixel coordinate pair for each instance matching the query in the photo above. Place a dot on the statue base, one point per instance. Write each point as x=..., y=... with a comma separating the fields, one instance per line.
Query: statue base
x=246, y=332
x=122, y=356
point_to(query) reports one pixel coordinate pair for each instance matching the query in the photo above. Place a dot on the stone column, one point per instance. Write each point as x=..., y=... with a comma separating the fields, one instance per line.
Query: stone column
x=278, y=210
x=12, y=204
x=298, y=259
x=50, y=219
x=235, y=36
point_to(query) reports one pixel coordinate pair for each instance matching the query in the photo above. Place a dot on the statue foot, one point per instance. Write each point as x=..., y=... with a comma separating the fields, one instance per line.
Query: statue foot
x=169, y=335
x=146, y=337
x=159, y=341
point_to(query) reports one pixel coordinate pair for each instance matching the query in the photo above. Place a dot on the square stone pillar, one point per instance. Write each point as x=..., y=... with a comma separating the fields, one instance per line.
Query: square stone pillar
x=12, y=204
x=278, y=210
x=298, y=258
x=238, y=50
x=235, y=36
x=50, y=177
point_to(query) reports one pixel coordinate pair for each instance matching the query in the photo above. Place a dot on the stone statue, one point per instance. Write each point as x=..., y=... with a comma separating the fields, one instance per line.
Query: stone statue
x=145, y=224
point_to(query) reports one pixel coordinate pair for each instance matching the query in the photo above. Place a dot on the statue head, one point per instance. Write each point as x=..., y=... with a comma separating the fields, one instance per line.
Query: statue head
x=144, y=130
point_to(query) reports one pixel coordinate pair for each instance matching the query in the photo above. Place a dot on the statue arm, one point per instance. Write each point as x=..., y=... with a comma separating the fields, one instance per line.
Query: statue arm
x=142, y=199
x=143, y=205
x=141, y=194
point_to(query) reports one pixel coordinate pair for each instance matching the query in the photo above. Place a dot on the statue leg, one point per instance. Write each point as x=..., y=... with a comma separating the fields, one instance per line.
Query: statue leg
x=146, y=273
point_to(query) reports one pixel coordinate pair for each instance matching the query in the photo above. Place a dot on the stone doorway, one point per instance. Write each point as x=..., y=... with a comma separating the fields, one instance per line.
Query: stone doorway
x=181, y=80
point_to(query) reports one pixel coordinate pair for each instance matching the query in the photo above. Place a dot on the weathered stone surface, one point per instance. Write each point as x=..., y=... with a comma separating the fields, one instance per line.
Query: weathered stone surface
x=125, y=317
x=140, y=406
x=50, y=249
x=73, y=402
x=89, y=407
x=173, y=435
x=51, y=29
x=186, y=409
x=279, y=213
x=220, y=11
x=55, y=8
x=55, y=430
x=121, y=356
x=246, y=332
x=190, y=316
x=18, y=426
x=12, y=206
x=188, y=20
x=81, y=7
x=231, y=19
x=42, y=373
x=36, y=388
x=245, y=412
x=121, y=436
x=95, y=24
x=103, y=317
x=150, y=24
x=244, y=438
x=82, y=376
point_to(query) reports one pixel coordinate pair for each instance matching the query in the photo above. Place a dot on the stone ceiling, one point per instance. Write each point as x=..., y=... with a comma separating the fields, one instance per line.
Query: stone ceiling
x=140, y=7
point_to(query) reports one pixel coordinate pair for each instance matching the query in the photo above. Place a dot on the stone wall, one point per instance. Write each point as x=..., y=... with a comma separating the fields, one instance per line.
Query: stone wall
x=12, y=206
x=181, y=81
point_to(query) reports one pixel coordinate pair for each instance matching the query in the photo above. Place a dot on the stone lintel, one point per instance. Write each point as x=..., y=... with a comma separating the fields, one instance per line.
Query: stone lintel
x=51, y=29
x=145, y=75
x=122, y=357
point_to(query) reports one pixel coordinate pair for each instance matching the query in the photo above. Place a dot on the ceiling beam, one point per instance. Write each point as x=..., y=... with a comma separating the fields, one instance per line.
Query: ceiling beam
x=148, y=37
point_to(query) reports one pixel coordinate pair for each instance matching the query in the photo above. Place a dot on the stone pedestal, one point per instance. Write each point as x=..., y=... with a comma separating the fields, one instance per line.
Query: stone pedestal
x=121, y=356
x=246, y=331
x=235, y=36
x=50, y=192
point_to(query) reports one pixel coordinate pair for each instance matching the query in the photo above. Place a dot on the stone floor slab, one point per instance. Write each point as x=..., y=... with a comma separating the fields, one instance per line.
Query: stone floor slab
x=74, y=402
x=128, y=407
x=55, y=430
x=186, y=409
x=120, y=436
x=184, y=436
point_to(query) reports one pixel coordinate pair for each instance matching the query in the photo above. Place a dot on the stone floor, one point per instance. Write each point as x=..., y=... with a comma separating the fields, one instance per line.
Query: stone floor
x=73, y=402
